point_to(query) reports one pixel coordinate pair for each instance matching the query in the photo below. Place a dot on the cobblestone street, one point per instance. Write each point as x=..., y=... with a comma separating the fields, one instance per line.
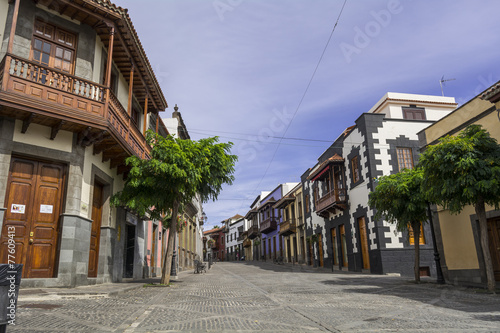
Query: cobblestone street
x=271, y=298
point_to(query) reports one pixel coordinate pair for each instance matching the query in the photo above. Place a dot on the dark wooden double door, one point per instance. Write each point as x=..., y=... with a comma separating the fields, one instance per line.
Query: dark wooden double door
x=494, y=243
x=34, y=203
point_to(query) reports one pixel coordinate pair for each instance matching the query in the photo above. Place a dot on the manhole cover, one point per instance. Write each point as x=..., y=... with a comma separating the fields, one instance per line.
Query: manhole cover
x=41, y=306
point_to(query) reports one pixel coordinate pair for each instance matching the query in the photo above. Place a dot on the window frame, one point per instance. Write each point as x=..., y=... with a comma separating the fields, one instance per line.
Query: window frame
x=405, y=158
x=409, y=113
x=355, y=169
x=54, y=41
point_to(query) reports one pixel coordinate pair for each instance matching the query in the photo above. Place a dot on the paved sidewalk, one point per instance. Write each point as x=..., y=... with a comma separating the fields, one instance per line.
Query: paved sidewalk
x=90, y=291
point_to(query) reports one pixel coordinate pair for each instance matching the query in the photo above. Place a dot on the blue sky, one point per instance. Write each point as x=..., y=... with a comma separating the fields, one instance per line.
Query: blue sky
x=239, y=69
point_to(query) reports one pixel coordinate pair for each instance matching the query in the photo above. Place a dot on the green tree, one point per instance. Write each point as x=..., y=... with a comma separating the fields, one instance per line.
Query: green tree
x=176, y=173
x=465, y=170
x=398, y=198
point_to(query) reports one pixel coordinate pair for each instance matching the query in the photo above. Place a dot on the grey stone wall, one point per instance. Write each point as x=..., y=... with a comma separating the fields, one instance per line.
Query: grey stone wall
x=402, y=260
x=140, y=250
x=6, y=135
x=117, y=244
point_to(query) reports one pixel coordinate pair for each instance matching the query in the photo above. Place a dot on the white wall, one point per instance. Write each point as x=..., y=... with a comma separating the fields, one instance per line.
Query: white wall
x=39, y=135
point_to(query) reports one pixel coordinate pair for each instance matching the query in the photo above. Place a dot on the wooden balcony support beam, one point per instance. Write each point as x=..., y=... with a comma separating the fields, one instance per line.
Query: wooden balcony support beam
x=99, y=148
x=106, y=156
x=122, y=168
x=93, y=139
x=145, y=116
x=115, y=162
x=26, y=122
x=55, y=129
x=82, y=135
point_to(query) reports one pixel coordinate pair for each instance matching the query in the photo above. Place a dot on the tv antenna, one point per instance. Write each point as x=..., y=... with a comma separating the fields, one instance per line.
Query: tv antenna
x=442, y=83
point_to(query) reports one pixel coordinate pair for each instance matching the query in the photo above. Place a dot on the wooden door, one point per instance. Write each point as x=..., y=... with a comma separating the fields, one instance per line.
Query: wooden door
x=303, y=248
x=494, y=243
x=364, y=242
x=320, y=250
x=274, y=248
x=311, y=255
x=95, y=233
x=334, y=246
x=343, y=246
x=34, y=204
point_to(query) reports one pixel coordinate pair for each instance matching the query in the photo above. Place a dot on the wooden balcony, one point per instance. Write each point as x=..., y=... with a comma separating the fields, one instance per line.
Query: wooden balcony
x=330, y=202
x=253, y=232
x=39, y=94
x=268, y=225
x=288, y=227
x=247, y=243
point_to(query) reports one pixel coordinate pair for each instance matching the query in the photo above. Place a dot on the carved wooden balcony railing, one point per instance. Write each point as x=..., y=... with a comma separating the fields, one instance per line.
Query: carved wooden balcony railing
x=241, y=237
x=253, y=232
x=268, y=225
x=247, y=243
x=288, y=227
x=52, y=94
x=330, y=202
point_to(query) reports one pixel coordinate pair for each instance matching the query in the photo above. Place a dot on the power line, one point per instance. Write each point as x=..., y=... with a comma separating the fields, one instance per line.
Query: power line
x=246, y=134
x=263, y=142
x=303, y=95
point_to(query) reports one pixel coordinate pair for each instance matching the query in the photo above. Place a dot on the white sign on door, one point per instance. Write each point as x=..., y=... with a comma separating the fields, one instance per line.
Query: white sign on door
x=46, y=209
x=18, y=209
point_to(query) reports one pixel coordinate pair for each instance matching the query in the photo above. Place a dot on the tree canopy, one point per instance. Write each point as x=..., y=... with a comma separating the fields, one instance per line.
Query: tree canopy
x=399, y=199
x=176, y=172
x=465, y=170
x=460, y=169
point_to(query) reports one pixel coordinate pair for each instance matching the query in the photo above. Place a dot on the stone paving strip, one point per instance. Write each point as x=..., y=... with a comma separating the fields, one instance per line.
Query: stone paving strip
x=264, y=297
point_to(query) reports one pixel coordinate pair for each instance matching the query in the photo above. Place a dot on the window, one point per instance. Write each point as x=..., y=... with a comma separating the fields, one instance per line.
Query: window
x=53, y=47
x=135, y=116
x=355, y=169
x=413, y=113
x=307, y=203
x=300, y=209
x=412, y=238
x=405, y=158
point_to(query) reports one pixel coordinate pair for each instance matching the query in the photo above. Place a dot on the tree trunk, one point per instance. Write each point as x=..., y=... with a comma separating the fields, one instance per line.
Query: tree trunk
x=483, y=228
x=167, y=259
x=416, y=241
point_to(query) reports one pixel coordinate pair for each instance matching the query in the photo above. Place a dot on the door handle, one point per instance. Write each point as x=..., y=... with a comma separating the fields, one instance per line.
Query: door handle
x=31, y=241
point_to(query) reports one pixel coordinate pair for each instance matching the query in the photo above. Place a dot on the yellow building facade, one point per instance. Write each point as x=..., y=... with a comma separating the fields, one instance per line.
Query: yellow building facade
x=458, y=235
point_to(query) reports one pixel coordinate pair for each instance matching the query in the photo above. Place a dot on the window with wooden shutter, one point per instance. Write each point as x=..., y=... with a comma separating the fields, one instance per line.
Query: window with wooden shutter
x=405, y=158
x=414, y=113
x=355, y=169
x=53, y=47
